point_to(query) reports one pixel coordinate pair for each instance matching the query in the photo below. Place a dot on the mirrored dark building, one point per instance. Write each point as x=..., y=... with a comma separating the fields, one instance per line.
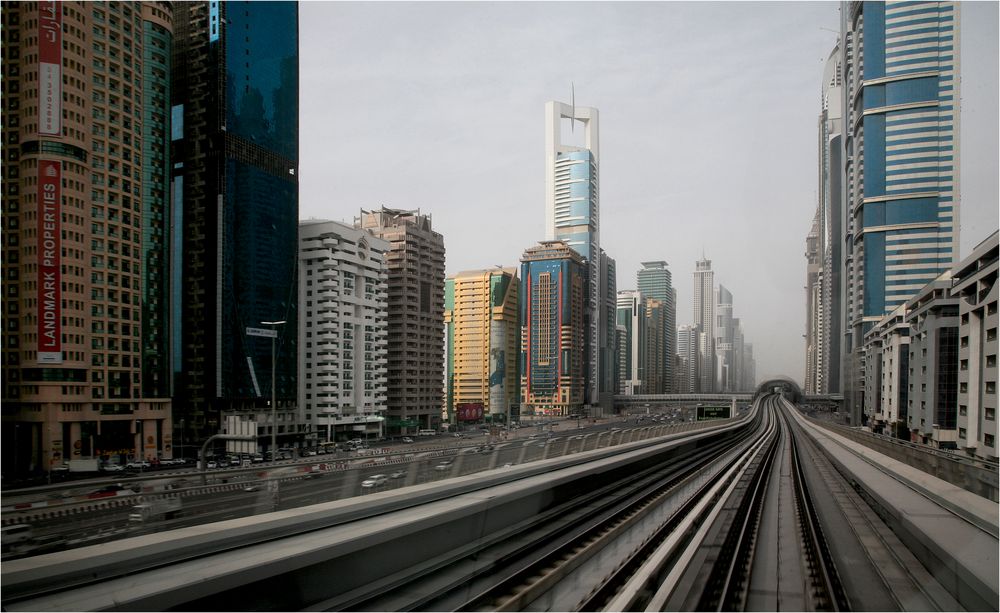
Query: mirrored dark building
x=235, y=190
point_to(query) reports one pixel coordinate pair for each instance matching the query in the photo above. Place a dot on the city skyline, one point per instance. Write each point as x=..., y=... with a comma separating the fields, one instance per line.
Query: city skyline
x=439, y=98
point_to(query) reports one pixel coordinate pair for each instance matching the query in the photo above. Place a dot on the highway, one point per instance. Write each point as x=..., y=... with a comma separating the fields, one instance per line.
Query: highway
x=762, y=512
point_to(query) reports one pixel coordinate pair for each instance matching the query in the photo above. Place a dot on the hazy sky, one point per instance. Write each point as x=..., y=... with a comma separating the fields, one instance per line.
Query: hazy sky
x=708, y=135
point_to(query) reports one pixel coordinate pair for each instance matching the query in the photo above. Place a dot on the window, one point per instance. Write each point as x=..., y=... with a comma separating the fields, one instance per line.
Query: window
x=961, y=433
x=990, y=414
x=988, y=440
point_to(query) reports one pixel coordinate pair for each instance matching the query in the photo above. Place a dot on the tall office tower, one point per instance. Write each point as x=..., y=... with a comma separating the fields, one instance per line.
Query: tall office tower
x=656, y=358
x=814, y=292
x=572, y=215
x=831, y=225
x=704, y=320
x=553, y=285
x=736, y=370
x=900, y=159
x=484, y=343
x=621, y=354
x=342, y=329
x=631, y=317
x=235, y=188
x=85, y=155
x=416, y=314
x=654, y=281
x=724, y=370
x=687, y=353
x=608, y=346
x=749, y=367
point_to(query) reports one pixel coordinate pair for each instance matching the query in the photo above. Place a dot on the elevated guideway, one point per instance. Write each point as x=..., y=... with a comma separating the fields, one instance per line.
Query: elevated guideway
x=665, y=520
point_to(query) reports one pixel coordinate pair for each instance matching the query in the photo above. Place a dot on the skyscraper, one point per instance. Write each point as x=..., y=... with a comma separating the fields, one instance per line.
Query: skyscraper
x=704, y=320
x=813, y=290
x=416, y=315
x=484, y=344
x=724, y=363
x=235, y=188
x=900, y=159
x=572, y=215
x=553, y=284
x=687, y=362
x=608, y=348
x=631, y=319
x=342, y=329
x=85, y=150
x=654, y=281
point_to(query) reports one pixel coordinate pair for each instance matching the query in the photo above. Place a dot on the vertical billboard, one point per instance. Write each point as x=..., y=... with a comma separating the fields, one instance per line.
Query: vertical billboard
x=49, y=299
x=498, y=367
x=50, y=68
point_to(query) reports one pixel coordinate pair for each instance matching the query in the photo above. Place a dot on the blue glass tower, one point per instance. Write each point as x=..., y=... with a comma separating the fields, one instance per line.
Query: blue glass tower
x=236, y=158
x=900, y=155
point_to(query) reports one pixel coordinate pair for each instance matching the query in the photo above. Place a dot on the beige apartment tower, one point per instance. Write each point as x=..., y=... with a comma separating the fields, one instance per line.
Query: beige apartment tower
x=483, y=340
x=85, y=163
x=415, y=356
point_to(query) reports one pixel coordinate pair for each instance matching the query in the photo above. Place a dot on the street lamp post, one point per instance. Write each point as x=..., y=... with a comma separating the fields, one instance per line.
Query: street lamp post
x=274, y=392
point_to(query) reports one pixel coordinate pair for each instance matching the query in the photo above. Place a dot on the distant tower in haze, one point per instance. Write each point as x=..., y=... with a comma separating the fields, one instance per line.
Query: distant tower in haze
x=572, y=215
x=654, y=281
x=704, y=320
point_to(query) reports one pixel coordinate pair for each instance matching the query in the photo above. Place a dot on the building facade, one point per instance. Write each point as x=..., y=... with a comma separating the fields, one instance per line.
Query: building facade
x=656, y=356
x=342, y=331
x=85, y=147
x=900, y=159
x=975, y=287
x=932, y=388
x=704, y=320
x=655, y=281
x=887, y=356
x=687, y=359
x=235, y=191
x=814, y=325
x=608, y=346
x=483, y=331
x=415, y=359
x=631, y=317
x=572, y=215
x=553, y=288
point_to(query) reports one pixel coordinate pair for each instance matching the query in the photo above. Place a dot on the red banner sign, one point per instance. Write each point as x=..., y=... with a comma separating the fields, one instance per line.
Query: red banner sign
x=50, y=67
x=470, y=411
x=49, y=306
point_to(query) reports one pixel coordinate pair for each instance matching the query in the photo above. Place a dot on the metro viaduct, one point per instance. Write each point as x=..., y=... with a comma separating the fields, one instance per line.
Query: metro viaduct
x=789, y=388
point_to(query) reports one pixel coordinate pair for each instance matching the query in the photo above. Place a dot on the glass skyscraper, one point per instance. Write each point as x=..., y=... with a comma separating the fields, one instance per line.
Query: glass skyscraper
x=900, y=156
x=236, y=158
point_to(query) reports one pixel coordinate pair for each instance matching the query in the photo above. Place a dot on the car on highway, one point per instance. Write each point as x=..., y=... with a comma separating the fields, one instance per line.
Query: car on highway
x=254, y=487
x=407, y=439
x=113, y=468
x=138, y=465
x=446, y=465
x=213, y=464
x=374, y=481
x=399, y=474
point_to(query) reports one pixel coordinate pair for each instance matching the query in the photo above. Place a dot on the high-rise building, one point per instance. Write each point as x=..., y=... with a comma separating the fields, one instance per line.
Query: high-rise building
x=900, y=159
x=235, y=192
x=572, y=215
x=687, y=362
x=814, y=292
x=704, y=320
x=484, y=343
x=656, y=357
x=654, y=281
x=831, y=225
x=342, y=329
x=416, y=315
x=85, y=147
x=553, y=285
x=749, y=375
x=631, y=317
x=724, y=332
x=608, y=347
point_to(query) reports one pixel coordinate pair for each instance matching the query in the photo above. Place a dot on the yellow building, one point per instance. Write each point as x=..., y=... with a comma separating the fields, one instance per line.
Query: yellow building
x=483, y=344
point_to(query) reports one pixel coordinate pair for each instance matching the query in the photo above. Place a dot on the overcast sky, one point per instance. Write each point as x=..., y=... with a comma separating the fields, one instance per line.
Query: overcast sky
x=707, y=133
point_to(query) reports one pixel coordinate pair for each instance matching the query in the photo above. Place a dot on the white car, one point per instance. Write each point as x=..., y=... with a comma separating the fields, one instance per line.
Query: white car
x=113, y=468
x=374, y=481
x=443, y=466
x=407, y=439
